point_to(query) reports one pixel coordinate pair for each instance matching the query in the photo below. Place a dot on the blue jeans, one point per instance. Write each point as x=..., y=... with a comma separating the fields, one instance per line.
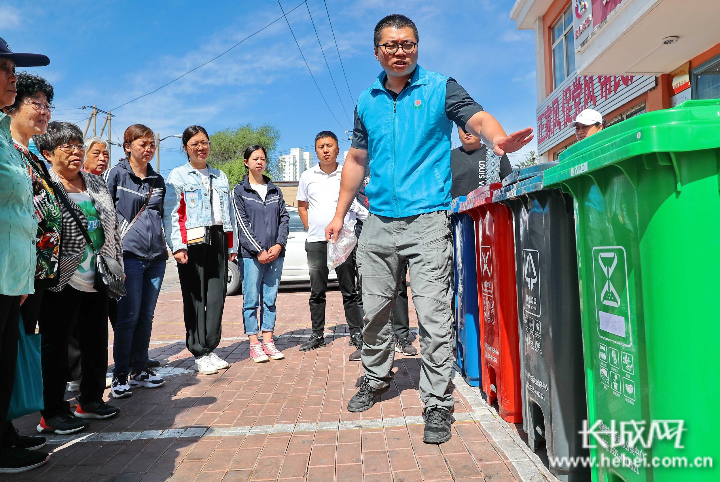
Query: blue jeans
x=260, y=285
x=143, y=279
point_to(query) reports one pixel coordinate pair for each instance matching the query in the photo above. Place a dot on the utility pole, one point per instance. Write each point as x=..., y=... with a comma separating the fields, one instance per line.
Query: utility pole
x=93, y=116
x=157, y=149
x=109, y=121
x=157, y=153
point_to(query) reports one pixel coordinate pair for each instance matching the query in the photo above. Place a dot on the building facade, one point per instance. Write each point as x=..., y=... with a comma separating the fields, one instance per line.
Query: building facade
x=619, y=57
x=294, y=164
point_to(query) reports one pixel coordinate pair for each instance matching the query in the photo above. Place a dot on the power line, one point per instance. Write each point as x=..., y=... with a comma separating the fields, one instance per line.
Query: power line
x=307, y=65
x=213, y=59
x=326, y=62
x=338, y=52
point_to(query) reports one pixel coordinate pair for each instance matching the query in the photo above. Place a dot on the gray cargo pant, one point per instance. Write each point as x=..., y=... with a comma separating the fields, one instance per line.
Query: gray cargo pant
x=424, y=243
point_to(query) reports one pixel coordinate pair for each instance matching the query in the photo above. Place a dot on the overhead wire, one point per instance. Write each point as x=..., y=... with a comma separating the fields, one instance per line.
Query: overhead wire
x=338, y=52
x=213, y=59
x=326, y=61
x=308, y=65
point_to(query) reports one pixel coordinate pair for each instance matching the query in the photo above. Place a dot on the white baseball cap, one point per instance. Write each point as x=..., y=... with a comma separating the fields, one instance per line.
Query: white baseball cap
x=588, y=117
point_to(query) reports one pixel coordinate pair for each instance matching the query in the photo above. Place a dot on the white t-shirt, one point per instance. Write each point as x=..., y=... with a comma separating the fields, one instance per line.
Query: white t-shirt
x=215, y=209
x=321, y=191
x=261, y=189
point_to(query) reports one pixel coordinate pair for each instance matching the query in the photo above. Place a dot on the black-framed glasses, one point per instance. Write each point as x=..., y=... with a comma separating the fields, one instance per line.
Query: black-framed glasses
x=392, y=48
x=199, y=145
x=39, y=106
x=69, y=148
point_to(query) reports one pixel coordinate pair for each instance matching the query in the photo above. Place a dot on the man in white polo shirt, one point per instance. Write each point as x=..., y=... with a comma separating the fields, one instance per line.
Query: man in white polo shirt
x=317, y=198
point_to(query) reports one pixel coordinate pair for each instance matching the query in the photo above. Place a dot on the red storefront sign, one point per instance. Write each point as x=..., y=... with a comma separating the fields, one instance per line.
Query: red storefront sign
x=575, y=98
x=602, y=8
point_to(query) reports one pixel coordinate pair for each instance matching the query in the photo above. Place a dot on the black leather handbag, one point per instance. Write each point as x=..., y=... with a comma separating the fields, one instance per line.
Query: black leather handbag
x=109, y=275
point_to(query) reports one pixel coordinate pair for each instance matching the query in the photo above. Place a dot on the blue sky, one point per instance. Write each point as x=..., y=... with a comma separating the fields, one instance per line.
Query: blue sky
x=107, y=53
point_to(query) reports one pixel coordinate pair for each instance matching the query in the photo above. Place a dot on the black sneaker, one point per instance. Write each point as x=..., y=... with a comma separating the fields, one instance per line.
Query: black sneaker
x=99, y=410
x=146, y=378
x=14, y=460
x=61, y=424
x=315, y=341
x=437, y=425
x=153, y=363
x=404, y=347
x=13, y=438
x=356, y=341
x=120, y=388
x=364, y=399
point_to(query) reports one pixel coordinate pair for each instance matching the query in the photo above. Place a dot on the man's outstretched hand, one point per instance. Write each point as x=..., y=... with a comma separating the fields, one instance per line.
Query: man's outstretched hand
x=512, y=142
x=332, y=231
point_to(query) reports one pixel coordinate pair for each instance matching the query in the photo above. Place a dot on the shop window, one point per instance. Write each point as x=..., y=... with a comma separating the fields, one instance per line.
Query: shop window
x=706, y=80
x=631, y=112
x=563, y=48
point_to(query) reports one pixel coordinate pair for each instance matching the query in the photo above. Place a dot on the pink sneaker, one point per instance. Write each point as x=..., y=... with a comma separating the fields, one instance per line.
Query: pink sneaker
x=257, y=353
x=271, y=351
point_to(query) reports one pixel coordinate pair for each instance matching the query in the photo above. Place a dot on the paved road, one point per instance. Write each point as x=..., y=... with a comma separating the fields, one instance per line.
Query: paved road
x=282, y=420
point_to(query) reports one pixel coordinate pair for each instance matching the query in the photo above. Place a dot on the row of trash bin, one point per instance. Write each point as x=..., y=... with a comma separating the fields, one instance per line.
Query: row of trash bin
x=587, y=298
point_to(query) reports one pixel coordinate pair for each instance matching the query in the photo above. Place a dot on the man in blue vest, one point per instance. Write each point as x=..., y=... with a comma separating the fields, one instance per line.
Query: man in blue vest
x=403, y=125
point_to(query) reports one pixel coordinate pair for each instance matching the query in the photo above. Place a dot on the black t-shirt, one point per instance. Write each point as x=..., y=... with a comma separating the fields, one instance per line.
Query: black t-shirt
x=459, y=108
x=469, y=170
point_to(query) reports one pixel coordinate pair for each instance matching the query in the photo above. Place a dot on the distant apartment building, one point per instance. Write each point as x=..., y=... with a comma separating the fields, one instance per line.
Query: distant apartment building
x=294, y=164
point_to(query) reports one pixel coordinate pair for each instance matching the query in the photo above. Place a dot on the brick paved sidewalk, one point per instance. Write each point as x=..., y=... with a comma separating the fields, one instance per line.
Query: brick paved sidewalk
x=281, y=420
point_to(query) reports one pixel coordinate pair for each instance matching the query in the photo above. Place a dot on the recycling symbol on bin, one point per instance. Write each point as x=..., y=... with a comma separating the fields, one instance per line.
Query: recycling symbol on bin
x=609, y=295
x=486, y=267
x=530, y=271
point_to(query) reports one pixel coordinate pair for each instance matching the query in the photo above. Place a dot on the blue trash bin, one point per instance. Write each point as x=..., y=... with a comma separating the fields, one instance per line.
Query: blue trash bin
x=467, y=312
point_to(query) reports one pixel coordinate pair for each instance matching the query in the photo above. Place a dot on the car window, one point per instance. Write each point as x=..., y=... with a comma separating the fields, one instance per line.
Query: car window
x=296, y=225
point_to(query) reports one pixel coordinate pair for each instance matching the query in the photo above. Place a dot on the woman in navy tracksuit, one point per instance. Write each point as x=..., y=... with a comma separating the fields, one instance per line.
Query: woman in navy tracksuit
x=263, y=227
x=136, y=188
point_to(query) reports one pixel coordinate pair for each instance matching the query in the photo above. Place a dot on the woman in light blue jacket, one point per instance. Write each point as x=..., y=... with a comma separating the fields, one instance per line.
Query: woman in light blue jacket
x=200, y=231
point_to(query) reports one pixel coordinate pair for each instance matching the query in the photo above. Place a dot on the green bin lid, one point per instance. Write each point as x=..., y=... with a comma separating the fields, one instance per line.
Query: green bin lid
x=693, y=125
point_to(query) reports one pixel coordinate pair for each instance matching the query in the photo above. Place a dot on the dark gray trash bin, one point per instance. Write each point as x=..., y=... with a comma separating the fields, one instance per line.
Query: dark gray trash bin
x=554, y=400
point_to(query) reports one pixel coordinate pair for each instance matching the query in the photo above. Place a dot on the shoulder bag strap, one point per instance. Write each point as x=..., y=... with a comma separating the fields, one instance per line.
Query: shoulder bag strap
x=137, y=216
x=61, y=194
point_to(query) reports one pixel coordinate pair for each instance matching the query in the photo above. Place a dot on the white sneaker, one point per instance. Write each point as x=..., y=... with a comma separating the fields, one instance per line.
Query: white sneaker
x=219, y=363
x=74, y=386
x=205, y=366
x=146, y=378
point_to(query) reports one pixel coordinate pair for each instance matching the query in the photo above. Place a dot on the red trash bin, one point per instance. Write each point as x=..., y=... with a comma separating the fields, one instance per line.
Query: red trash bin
x=497, y=293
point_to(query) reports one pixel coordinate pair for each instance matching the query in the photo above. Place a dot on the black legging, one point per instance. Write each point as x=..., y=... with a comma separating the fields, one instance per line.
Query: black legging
x=203, y=282
x=9, y=333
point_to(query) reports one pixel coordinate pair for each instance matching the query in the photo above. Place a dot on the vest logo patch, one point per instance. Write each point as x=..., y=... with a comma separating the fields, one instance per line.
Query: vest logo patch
x=418, y=104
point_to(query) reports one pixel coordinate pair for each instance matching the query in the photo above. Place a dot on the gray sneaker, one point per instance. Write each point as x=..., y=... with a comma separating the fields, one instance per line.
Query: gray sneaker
x=364, y=399
x=402, y=346
x=438, y=422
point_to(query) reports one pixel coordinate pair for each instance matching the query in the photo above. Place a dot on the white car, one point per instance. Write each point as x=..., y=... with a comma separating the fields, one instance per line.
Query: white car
x=295, y=267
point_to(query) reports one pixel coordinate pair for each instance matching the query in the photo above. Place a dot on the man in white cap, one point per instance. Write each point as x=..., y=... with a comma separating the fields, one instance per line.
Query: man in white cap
x=587, y=123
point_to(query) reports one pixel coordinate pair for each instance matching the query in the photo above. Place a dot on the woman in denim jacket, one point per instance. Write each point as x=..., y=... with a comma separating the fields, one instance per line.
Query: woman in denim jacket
x=200, y=232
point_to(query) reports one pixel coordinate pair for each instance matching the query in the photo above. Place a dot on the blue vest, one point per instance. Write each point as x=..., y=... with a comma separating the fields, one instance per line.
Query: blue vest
x=408, y=146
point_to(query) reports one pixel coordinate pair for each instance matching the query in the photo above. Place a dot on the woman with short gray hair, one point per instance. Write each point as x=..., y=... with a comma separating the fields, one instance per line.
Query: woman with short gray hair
x=97, y=155
x=87, y=212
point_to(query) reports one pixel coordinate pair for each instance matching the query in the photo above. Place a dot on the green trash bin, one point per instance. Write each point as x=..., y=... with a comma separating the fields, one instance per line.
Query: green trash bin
x=647, y=205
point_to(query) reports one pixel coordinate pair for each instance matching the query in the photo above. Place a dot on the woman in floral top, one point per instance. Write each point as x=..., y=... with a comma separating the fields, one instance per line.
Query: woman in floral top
x=30, y=116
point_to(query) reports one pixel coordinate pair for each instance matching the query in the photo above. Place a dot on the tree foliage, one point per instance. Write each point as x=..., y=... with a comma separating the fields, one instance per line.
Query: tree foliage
x=229, y=145
x=530, y=160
